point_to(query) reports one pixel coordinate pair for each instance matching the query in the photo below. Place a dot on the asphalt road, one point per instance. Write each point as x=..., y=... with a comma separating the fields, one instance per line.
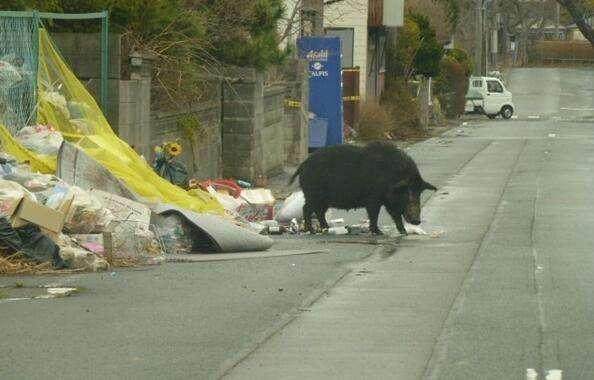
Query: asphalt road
x=506, y=287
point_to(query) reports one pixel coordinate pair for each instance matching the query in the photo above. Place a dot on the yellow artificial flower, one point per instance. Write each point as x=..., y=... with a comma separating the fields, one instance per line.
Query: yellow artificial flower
x=173, y=149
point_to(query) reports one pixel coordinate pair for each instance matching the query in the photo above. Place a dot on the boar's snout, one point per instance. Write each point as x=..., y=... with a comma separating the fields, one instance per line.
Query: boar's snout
x=412, y=212
x=416, y=222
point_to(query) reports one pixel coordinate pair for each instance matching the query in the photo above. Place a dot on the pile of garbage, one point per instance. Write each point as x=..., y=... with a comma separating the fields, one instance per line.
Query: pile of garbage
x=46, y=223
x=260, y=211
x=257, y=209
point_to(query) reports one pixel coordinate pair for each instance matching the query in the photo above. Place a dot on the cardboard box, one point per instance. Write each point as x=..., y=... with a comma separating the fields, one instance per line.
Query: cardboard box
x=45, y=217
x=125, y=210
x=11, y=194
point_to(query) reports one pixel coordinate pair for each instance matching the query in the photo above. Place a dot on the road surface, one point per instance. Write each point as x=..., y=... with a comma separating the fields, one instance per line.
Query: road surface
x=507, y=286
x=510, y=284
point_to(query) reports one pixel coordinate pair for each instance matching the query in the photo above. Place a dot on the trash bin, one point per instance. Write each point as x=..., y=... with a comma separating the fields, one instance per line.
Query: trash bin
x=318, y=132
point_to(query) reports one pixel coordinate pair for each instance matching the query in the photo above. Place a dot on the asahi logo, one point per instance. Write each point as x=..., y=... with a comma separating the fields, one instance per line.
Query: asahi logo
x=319, y=55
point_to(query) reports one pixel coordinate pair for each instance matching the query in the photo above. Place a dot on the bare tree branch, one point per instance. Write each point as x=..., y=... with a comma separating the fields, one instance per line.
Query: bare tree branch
x=579, y=14
x=291, y=21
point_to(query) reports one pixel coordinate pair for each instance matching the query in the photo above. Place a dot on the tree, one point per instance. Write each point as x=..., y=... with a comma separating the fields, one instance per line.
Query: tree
x=245, y=35
x=524, y=17
x=436, y=13
x=401, y=52
x=580, y=10
x=430, y=50
x=454, y=9
x=452, y=83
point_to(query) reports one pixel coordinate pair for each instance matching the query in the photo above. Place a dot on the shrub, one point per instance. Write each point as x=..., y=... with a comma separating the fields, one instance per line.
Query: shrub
x=430, y=51
x=461, y=56
x=451, y=87
x=374, y=121
x=400, y=54
x=403, y=109
x=452, y=83
x=557, y=51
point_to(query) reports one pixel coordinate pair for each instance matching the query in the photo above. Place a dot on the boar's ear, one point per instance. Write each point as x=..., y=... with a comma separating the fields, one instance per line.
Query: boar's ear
x=428, y=186
x=400, y=186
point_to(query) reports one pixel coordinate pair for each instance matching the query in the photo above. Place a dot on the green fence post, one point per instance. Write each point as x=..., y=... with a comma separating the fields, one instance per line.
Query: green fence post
x=104, y=59
x=36, y=23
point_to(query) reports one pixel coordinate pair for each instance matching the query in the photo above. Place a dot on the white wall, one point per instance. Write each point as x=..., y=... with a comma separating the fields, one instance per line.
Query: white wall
x=294, y=28
x=352, y=14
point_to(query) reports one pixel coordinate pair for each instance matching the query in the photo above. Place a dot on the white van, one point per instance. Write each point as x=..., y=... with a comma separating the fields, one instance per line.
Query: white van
x=488, y=96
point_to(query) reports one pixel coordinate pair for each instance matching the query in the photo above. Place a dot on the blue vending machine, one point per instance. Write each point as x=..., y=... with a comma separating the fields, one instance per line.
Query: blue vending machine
x=325, y=89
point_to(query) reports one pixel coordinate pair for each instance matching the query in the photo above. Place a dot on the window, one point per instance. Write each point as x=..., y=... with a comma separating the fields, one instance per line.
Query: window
x=477, y=83
x=494, y=86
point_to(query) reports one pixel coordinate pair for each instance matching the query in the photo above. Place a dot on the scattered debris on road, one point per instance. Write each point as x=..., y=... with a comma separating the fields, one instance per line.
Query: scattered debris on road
x=20, y=292
x=241, y=255
x=437, y=234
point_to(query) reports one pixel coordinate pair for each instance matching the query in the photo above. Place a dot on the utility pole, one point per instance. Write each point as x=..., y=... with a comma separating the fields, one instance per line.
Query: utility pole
x=482, y=37
x=557, y=21
x=478, y=51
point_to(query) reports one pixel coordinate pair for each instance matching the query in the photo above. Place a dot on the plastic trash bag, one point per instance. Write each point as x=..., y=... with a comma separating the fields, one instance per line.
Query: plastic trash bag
x=173, y=233
x=9, y=74
x=31, y=242
x=86, y=214
x=77, y=257
x=34, y=182
x=173, y=171
x=411, y=229
x=56, y=100
x=128, y=240
x=40, y=139
x=292, y=208
x=38, y=183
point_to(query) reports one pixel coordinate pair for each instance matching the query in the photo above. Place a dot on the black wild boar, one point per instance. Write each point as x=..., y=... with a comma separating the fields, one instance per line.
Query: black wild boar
x=349, y=177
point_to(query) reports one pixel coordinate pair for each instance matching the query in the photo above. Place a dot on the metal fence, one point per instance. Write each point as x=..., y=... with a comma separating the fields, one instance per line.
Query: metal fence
x=19, y=36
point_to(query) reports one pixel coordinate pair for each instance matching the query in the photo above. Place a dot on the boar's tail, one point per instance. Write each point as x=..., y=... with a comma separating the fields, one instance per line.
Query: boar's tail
x=295, y=175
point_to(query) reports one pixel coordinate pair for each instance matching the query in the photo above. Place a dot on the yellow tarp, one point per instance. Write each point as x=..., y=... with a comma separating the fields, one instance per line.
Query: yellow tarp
x=66, y=105
x=38, y=162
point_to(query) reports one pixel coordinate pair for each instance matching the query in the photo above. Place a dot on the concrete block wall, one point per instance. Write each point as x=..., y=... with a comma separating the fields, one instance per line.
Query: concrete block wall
x=260, y=135
x=246, y=129
x=241, y=115
x=272, y=133
x=296, y=110
x=202, y=152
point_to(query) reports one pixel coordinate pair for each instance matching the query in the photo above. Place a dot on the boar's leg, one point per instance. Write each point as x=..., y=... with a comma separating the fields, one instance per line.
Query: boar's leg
x=373, y=214
x=397, y=218
x=307, y=211
x=321, y=213
x=400, y=225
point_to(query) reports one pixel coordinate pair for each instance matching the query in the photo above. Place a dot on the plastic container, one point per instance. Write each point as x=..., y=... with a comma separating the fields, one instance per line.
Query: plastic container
x=318, y=132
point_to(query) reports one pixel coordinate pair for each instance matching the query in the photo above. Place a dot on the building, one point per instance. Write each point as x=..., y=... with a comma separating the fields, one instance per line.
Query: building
x=362, y=26
x=574, y=34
